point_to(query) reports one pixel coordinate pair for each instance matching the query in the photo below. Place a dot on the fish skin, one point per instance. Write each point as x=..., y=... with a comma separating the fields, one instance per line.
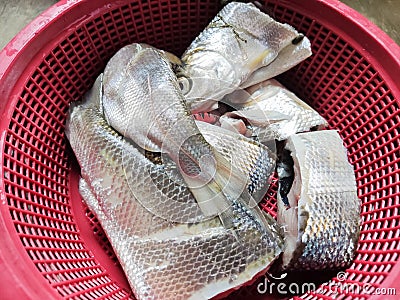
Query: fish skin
x=163, y=259
x=250, y=157
x=275, y=112
x=323, y=221
x=111, y=152
x=122, y=58
x=147, y=106
x=252, y=39
x=122, y=88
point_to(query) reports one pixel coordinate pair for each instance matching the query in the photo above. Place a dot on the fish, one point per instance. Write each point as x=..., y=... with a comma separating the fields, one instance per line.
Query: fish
x=164, y=258
x=143, y=102
x=321, y=215
x=240, y=40
x=160, y=187
x=255, y=160
x=274, y=112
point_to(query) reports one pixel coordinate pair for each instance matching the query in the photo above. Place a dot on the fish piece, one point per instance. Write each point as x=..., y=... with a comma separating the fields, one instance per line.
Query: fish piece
x=323, y=217
x=163, y=259
x=275, y=112
x=122, y=58
x=148, y=107
x=238, y=41
x=155, y=188
x=250, y=157
x=289, y=57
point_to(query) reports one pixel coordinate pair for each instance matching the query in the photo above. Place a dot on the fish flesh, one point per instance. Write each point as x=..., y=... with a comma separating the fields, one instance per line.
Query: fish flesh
x=238, y=41
x=235, y=125
x=143, y=102
x=322, y=211
x=162, y=258
x=276, y=113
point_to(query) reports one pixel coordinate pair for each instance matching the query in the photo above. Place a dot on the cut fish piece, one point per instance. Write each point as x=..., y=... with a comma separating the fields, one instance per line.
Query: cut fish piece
x=289, y=57
x=323, y=219
x=240, y=40
x=164, y=259
x=275, y=112
x=146, y=105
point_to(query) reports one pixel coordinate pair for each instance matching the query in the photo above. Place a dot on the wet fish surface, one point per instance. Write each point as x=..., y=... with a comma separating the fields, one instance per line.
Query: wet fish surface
x=322, y=216
x=163, y=259
x=276, y=113
x=239, y=41
x=143, y=102
x=252, y=158
x=178, y=197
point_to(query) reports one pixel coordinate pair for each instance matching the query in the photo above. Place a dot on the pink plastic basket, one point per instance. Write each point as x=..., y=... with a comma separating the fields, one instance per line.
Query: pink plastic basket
x=52, y=247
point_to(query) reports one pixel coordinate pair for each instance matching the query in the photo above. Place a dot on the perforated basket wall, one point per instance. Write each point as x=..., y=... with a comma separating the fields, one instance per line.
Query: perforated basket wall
x=52, y=246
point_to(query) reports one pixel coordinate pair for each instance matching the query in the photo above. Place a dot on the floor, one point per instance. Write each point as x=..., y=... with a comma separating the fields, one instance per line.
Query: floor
x=14, y=15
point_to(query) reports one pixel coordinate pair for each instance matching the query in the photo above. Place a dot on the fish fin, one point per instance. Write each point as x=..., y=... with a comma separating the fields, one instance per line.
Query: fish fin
x=227, y=218
x=231, y=181
x=210, y=198
x=215, y=197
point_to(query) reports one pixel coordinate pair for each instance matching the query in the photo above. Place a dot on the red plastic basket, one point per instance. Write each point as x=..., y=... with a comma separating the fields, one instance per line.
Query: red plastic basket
x=52, y=247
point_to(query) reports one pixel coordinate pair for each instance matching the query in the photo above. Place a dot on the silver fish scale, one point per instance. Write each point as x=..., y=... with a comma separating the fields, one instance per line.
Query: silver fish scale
x=301, y=117
x=248, y=18
x=116, y=154
x=329, y=203
x=247, y=155
x=331, y=240
x=252, y=39
x=249, y=27
x=330, y=170
x=147, y=105
x=152, y=112
x=162, y=259
x=180, y=267
x=258, y=178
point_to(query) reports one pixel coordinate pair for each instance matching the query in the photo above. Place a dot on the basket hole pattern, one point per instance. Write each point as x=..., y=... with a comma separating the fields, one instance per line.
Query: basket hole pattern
x=36, y=166
x=101, y=235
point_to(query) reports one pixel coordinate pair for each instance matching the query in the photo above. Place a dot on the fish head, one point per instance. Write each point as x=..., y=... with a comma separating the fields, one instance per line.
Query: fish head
x=205, y=78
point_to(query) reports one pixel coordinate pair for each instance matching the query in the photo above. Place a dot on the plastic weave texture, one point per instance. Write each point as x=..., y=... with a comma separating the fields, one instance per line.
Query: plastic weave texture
x=51, y=245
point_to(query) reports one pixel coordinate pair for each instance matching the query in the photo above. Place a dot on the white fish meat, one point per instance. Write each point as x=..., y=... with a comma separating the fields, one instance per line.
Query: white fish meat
x=235, y=125
x=319, y=207
x=238, y=41
x=163, y=259
x=275, y=112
